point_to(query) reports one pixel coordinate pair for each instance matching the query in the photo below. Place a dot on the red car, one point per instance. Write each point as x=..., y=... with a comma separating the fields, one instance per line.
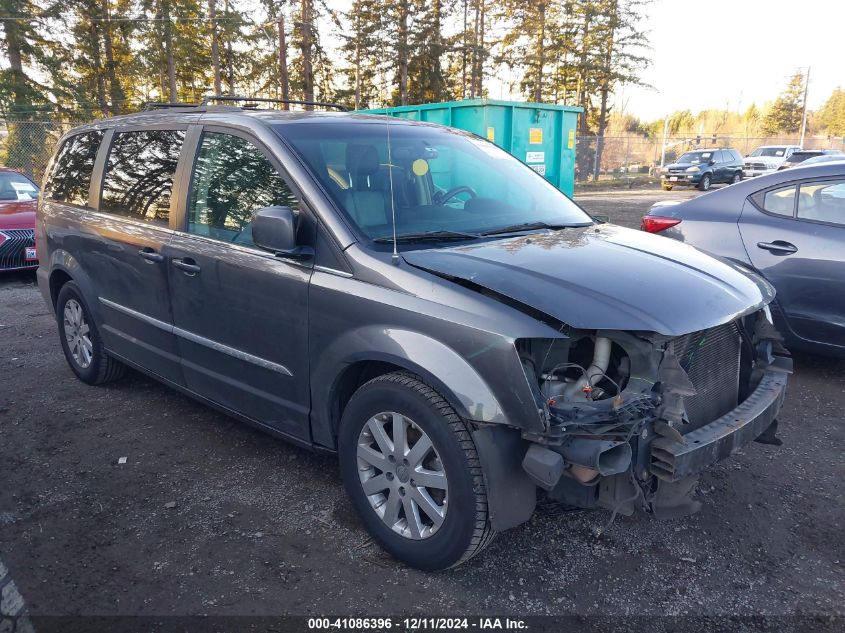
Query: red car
x=18, y=201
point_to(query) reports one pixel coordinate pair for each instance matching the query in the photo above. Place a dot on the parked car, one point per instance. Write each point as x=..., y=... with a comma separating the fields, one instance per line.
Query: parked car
x=18, y=201
x=790, y=228
x=824, y=158
x=766, y=159
x=799, y=157
x=701, y=168
x=414, y=299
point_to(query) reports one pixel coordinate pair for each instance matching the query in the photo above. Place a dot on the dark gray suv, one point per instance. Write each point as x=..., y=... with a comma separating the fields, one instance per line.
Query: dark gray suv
x=413, y=298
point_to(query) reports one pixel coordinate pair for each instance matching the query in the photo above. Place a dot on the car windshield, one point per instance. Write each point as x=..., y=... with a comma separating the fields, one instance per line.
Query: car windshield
x=769, y=151
x=695, y=157
x=445, y=184
x=16, y=187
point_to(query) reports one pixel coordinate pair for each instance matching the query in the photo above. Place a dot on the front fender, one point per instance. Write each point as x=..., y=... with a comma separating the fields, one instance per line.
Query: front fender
x=437, y=364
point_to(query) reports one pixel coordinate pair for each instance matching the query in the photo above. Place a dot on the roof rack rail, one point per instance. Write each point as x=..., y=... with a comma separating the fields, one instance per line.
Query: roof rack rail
x=161, y=105
x=256, y=100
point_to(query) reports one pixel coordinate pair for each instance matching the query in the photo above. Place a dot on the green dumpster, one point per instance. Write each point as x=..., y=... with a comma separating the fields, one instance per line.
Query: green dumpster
x=538, y=134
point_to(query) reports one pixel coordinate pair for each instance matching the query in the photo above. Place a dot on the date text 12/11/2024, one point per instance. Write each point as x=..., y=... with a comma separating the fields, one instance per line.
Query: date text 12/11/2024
x=416, y=624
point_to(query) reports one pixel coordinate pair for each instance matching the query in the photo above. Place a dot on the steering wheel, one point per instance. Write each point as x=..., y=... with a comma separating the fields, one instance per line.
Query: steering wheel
x=442, y=198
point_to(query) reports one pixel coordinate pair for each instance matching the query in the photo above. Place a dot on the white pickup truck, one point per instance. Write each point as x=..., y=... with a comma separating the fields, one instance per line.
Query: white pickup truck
x=766, y=159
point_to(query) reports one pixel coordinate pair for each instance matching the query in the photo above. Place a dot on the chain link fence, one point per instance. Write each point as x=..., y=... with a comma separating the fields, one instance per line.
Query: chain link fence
x=633, y=155
x=28, y=145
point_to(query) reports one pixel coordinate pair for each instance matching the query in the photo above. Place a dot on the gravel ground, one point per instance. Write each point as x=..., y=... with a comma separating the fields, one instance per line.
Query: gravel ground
x=207, y=516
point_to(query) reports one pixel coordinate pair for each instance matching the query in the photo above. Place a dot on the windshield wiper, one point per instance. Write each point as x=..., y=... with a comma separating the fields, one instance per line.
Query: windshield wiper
x=428, y=236
x=525, y=226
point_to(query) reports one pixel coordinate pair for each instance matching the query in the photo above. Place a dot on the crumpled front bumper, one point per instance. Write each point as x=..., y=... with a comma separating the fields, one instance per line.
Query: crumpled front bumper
x=673, y=461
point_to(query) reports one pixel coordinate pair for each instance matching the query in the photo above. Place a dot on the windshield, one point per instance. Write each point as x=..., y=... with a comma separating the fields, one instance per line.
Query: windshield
x=695, y=157
x=769, y=151
x=16, y=187
x=443, y=180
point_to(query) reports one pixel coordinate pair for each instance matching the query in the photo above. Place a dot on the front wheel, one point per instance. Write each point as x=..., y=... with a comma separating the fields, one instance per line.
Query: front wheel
x=412, y=472
x=704, y=184
x=81, y=340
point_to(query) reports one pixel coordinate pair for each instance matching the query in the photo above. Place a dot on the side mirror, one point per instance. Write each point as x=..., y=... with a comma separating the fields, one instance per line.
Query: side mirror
x=274, y=230
x=711, y=162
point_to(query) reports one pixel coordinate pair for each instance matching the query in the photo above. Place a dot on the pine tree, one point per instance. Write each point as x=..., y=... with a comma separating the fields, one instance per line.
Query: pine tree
x=786, y=113
x=831, y=116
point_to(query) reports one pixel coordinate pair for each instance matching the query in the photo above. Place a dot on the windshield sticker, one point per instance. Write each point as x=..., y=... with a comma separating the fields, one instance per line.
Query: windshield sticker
x=535, y=157
x=535, y=136
x=492, y=151
x=420, y=167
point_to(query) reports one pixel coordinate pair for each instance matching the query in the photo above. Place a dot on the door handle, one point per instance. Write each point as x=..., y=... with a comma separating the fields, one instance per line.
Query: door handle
x=778, y=247
x=187, y=266
x=150, y=255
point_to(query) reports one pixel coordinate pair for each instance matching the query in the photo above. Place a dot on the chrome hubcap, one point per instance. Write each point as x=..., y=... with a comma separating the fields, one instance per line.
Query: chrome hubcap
x=77, y=334
x=402, y=475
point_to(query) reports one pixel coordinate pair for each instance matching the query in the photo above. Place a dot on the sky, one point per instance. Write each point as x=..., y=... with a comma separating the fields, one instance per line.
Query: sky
x=737, y=52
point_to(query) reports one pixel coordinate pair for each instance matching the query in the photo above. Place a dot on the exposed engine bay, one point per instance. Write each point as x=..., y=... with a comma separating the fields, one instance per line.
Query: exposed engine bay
x=633, y=417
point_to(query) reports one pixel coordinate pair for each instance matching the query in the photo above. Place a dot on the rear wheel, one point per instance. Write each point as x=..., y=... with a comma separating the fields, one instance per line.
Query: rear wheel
x=737, y=177
x=412, y=473
x=704, y=183
x=81, y=342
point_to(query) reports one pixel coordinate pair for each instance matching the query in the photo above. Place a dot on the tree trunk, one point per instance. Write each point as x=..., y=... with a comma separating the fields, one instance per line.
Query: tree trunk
x=215, y=48
x=307, y=69
x=358, y=64
x=479, y=73
x=115, y=91
x=20, y=92
x=283, y=61
x=98, y=69
x=402, y=49
x=230, y=63
x=464, y=53
x=541, y=53
x=605, y=87
x=168, y=51
x=583, y=93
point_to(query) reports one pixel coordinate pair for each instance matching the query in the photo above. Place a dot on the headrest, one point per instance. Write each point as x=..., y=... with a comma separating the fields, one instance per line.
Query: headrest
x=361, y=160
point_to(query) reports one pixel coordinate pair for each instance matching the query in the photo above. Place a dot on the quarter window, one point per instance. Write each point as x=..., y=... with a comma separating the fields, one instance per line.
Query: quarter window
x=822, y=201
x=139, y=175
x=780, y=201
x=232, y=180
x=71, y=175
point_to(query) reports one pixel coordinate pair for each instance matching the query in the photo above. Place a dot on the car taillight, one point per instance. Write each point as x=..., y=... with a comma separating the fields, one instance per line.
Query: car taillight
x=656, y=223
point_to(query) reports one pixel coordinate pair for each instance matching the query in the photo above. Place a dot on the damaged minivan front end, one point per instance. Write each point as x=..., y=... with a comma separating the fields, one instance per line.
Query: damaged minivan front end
x=634, y=417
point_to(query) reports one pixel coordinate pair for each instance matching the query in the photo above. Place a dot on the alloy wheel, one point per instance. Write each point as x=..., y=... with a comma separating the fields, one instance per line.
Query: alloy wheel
x=402, y=475
x=77, y=334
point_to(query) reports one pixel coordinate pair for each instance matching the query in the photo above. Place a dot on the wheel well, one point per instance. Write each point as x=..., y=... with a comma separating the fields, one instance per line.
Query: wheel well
x=57, y=279
x=352, y=378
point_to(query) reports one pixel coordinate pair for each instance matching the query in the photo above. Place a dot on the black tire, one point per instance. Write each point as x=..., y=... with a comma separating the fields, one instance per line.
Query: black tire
x=704, y=183
x=667, y=187
x=466, y=528
x=737, y=178
x=102, y=368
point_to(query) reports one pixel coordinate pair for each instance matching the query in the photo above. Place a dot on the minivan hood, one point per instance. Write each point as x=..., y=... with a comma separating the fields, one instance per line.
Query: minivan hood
x=606, y=277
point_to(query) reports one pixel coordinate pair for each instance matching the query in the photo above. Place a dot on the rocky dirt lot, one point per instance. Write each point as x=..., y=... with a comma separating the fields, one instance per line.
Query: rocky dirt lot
x=207, y=516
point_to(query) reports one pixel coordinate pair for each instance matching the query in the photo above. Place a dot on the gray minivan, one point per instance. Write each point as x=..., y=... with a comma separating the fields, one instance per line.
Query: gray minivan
x=416, y=300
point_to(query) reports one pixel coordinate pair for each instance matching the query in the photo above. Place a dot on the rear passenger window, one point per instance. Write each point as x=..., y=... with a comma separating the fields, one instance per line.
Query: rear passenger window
x=232, y=180
x=822, y=201
x=139, y=174
x=780, y=201
x=71, y=175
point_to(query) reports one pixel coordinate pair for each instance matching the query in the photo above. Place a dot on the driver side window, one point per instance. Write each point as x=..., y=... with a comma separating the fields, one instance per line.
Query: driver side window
x=232, y=180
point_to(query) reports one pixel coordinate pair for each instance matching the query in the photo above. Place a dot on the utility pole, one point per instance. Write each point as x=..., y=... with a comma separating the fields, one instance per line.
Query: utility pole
x=804, y=115
x=665, y=134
